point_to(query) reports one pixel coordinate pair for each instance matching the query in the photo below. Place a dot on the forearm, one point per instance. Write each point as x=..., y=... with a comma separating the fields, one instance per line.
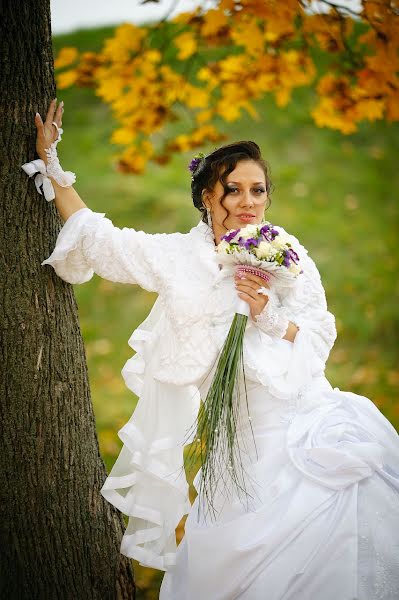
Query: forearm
x=67, y=200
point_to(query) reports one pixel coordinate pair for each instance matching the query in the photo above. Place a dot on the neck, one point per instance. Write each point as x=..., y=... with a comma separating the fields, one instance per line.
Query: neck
x=217, y=233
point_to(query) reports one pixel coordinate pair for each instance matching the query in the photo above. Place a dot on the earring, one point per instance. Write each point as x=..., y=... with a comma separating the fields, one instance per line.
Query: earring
x=209, y=217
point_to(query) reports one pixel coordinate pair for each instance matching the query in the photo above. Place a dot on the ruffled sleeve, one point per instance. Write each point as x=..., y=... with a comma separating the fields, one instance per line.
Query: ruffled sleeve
x=89, y=243
x=307, y=307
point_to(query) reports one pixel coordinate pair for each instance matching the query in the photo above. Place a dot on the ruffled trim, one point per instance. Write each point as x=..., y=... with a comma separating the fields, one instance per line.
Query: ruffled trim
x=148, y=482
x=282, y=367
x=150, y=493
x=66, y=258
x=133, y=370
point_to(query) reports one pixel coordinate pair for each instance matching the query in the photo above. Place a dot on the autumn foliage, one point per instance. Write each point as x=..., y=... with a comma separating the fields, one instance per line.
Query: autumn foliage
x=208, y=66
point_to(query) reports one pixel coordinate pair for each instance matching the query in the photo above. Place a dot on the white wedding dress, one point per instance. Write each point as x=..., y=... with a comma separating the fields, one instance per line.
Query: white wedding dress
x=322, y=465
x=309, y=534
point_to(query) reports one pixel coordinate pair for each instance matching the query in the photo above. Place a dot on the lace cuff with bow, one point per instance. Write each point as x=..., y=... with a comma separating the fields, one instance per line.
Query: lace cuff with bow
x=273, y=319
x=53, y=169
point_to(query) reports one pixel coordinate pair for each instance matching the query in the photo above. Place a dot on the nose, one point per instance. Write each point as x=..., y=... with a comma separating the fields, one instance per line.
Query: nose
x=246, y=199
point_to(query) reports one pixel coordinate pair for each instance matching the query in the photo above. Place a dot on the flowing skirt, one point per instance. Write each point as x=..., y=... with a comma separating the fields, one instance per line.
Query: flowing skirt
x=323, y=520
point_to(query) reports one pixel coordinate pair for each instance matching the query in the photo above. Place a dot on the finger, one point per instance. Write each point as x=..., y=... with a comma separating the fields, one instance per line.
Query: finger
x=38, y=120
x=249, y=292
x=255, y=278
x=50, y=113
x=58, y=114
x=254, y=305
x=39, y=124
x=245, y=297
x=249, y=286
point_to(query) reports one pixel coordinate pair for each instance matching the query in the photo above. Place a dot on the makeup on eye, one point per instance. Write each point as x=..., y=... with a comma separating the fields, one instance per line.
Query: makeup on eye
x=233, y=188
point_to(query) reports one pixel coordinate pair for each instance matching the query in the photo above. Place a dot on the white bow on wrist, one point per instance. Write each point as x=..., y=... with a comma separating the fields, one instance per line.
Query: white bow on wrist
x=39, y=166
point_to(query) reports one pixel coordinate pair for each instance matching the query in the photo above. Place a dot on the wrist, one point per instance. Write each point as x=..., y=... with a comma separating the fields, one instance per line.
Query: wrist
x=273, y=319
x=48, y=172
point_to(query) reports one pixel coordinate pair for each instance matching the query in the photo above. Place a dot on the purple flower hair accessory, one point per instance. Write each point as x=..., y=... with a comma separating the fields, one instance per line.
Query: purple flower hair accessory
x=195, y=161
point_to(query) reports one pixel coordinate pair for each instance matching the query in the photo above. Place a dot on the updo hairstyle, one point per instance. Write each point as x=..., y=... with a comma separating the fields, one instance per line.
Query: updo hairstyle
x=217, y=165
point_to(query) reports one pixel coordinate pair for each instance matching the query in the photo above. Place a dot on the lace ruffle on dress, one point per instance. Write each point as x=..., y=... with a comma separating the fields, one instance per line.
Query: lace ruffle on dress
x=324, y=522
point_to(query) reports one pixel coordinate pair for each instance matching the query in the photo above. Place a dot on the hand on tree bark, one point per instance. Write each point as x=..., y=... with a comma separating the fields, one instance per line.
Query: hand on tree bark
x=46, y=132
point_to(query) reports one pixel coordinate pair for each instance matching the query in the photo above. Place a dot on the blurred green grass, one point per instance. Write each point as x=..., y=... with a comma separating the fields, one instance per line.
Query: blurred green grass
x=337, y=194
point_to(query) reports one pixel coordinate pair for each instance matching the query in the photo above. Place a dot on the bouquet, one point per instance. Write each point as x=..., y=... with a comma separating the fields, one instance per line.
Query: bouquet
x=262, y=250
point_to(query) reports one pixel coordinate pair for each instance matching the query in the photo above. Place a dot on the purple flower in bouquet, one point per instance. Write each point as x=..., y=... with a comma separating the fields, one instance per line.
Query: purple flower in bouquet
x=290, y=256
x=268, y=232
x=249, y=243
x=229, y=236
x=294, y=256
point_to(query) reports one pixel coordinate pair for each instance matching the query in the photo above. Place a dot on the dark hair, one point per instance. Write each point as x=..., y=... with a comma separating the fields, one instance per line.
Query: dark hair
x=209, y=170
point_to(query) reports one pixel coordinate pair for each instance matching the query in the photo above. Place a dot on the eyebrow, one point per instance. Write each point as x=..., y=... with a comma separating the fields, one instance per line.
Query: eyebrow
x=238, y=182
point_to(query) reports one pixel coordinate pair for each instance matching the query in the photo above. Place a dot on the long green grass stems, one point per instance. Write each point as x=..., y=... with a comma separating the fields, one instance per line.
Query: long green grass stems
x=220, y=453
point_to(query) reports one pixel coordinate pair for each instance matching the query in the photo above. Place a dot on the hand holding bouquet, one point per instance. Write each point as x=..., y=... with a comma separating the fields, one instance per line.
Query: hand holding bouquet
x=269, y=254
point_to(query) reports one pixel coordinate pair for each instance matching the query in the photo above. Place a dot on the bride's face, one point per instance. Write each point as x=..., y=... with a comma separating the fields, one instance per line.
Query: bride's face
x=244, y=203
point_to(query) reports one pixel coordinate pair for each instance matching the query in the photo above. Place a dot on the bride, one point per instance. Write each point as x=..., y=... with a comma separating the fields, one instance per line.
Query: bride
x=322, y=465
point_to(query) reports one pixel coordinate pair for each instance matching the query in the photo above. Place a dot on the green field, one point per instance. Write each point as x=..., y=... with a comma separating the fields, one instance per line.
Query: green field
x=337, y=194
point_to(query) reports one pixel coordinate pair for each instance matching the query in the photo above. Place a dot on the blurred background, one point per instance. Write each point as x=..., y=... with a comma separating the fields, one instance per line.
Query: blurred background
x=337, y=193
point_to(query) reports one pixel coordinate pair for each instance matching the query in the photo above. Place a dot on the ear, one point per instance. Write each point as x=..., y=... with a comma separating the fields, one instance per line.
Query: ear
x=205, y=199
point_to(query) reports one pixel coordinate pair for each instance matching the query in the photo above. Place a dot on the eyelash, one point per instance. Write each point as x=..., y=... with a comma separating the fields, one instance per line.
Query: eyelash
x=260, y=190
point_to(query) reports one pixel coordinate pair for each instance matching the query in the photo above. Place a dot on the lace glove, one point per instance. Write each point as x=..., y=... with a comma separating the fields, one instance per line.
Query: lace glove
x=273, y=319
x=53, y=169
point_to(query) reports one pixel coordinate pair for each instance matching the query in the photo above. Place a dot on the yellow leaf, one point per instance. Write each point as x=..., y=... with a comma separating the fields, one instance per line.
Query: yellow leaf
x=66, y=57
x=195, y=97
x=228, y=110
x=392, y=106
x=122, y=136
x=153, y=56
x=282, y=96
x=186, y=45
x=369, y=109
x=204, y=115
x=326, y=115
x=249, y=36
x=66, y=79
x=214, y=20
x=127, y=40
x=132, y=162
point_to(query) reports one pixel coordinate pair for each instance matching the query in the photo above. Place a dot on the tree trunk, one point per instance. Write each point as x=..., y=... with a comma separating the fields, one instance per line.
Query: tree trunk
x=59, y=537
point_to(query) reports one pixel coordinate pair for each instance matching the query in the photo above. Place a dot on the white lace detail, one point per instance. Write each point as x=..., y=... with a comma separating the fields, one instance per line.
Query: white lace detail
x=306, y=306
x=273, y=320
x=54, y=170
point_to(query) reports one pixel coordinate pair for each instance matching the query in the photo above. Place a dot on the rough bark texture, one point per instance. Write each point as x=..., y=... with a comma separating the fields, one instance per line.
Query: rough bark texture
x=59, y=537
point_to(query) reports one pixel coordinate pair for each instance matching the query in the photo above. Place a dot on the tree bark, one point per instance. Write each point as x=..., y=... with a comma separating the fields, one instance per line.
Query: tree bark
x=59, y=537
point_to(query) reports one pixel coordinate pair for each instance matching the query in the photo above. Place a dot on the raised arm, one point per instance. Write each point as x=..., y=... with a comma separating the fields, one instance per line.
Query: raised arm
x=88, y=242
